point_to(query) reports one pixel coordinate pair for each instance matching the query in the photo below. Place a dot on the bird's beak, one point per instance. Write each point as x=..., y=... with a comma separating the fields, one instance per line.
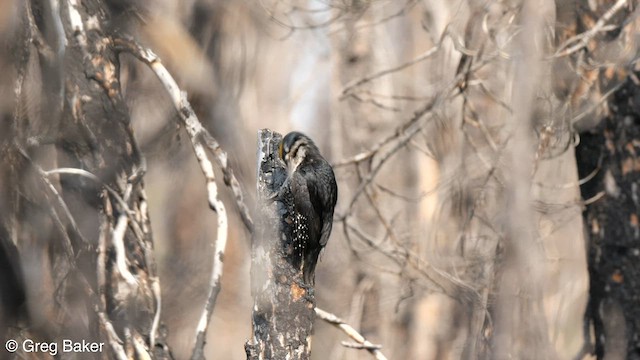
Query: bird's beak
x=281, y=150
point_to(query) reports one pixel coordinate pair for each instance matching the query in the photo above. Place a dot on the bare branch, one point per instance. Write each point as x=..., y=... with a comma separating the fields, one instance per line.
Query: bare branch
x=308, y=26
x=114, y=340
x=84, y=173
x=190, y=120
x=348, y=89
x=446, y=93
x=121, y=257
x=200, y=138
x=404, y=138
x=332, y=319
x=597, y=104
x=352, y=345
x=365, y=155
x=583, y=38
x=99, y=303
x=74, y=171
x=409, y=4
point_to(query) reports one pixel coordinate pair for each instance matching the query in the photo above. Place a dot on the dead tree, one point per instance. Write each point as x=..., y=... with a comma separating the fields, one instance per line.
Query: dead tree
x=607, y=156
x=604, y=99
x=73, y=208
x=74, y=202
x=283, y=311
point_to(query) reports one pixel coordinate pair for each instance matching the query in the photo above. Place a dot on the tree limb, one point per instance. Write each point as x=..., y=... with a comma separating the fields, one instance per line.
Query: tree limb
x=332, y=319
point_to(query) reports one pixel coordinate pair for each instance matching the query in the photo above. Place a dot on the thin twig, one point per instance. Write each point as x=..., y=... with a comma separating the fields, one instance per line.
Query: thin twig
x=112, y=337
x=402, y=11
x=139, y=345
x=592, y=108
x=372, y=174
x=594, y=198
x=62, y=204
x=365, y=155
x=291, y=27
x=332, y=319
x=74, y=171
x=358, y=346
x=347, y=91
x=102, y=252
x=99, y=303
x=583, y=38
x=374, y=102
x=118, y=245
x=153, y=274
x=447, y=93
x=84, y=173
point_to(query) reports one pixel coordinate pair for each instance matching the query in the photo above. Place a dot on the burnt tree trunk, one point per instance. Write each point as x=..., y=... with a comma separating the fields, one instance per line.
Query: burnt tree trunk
x=72, y=199
x=283, y=311
x=611, y=151
x=96, y=136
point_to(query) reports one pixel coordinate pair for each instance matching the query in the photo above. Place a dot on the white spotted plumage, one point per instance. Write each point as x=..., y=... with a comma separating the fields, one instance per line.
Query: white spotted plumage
x=312, y=183
x=301, y=234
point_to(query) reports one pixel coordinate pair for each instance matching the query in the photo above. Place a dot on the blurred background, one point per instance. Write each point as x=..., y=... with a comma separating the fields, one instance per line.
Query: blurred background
x=452, y=128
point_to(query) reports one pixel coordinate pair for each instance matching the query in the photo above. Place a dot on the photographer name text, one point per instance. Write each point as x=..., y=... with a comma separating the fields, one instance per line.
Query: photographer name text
x=52, y=348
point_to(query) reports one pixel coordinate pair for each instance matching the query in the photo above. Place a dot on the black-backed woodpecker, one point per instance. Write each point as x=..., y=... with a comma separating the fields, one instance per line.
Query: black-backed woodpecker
x=315, y=192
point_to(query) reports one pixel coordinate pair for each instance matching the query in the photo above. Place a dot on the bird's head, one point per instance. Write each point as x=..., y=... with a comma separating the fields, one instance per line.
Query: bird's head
x=294, y=148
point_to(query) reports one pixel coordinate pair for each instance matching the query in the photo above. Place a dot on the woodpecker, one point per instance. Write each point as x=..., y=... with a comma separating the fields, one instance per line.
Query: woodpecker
x=315, y=192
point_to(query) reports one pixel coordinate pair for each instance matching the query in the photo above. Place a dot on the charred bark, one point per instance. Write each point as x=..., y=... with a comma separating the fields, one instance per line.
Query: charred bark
x=72, y=200
x=283, y=311
x=609, y=154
